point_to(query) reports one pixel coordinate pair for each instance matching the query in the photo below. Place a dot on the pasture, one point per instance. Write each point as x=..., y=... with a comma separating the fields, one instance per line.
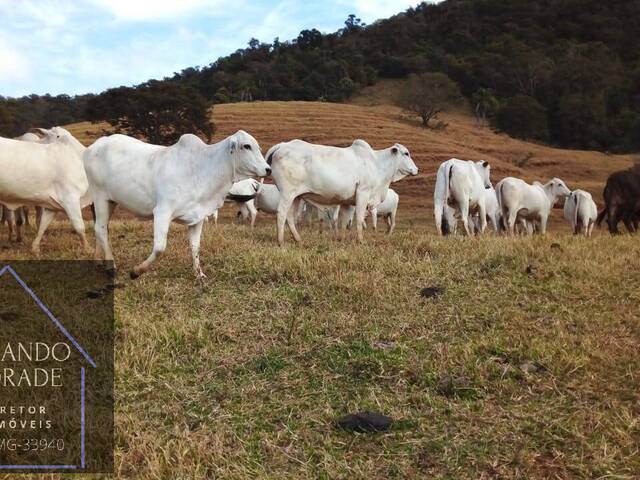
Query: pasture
x=524, y=366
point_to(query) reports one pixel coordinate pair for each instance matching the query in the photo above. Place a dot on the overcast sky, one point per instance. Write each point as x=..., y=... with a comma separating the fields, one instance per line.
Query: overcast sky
x=80, y=46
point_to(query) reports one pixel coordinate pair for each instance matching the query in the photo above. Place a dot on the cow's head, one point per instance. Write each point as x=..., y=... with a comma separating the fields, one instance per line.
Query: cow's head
x=484, y=170
x=246, y=156
x=557, y=189
x=404, y=162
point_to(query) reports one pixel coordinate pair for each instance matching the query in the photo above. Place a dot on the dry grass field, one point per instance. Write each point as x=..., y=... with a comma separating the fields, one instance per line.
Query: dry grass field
x=525, y=366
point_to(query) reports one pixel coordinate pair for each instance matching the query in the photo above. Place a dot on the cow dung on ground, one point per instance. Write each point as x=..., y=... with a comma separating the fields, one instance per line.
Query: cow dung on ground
x=365, y=422
x=431, y=292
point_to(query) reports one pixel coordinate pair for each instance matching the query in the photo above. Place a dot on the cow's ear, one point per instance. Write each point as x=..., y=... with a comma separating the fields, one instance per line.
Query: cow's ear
x=485, y=164
x=394, y=150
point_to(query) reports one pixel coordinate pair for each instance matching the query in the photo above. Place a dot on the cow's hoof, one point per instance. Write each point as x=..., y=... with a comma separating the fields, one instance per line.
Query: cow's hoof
x=133, y=275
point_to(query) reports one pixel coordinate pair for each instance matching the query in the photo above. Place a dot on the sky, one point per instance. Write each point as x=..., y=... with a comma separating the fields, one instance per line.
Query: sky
x=87, y=46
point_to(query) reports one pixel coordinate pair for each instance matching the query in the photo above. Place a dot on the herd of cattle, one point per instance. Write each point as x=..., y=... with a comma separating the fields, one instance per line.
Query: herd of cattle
x=189, y=181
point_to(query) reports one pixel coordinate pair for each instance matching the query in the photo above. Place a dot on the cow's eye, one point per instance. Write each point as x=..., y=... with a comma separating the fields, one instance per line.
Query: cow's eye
x=406, y=154
x=247, y=147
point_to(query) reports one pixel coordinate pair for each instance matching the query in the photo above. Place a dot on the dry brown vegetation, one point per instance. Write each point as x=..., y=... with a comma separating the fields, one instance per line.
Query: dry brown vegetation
x=526, y=366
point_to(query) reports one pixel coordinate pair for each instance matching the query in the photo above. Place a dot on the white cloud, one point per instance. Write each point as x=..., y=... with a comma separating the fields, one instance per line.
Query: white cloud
x=154, y=10
x=80, y=46
x=13, y=65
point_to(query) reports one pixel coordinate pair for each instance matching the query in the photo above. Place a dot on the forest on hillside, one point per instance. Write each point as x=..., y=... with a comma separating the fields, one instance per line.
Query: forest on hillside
x=566, y=72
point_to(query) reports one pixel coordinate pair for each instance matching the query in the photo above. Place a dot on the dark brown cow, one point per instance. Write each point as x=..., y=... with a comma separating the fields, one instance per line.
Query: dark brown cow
x=622, y=201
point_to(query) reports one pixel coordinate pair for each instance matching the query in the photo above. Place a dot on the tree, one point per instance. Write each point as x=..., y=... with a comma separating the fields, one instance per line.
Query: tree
x=485, y=104
x=428, y=94
x=156, y=111
x=6, y=121
x=524, y=117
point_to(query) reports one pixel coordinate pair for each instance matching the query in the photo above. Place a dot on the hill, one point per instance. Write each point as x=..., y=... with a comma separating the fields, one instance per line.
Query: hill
x=383, y=125
x=573, y=65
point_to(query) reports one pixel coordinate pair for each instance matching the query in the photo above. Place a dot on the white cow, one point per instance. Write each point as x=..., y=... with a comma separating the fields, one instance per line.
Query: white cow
x=460, y=186
x=492, y=211
x=520, y=201
x=243, y=194
x=355, y=175
x=185, y=183
x=387, y=210
x=581, y=212
x=48, y=175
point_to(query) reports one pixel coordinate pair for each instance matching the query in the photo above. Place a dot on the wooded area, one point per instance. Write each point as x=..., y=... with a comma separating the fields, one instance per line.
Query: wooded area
x=566, y=72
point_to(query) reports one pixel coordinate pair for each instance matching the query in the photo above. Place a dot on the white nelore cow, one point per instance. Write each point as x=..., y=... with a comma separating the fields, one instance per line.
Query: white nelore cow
x=581, y=212
x=492, y=210
x=356, y=175
x=460, y=186
x=45, y=174
x=185, y=183
x=243, y=194
x=322, y=214
x=387, y=210
x=520, y=201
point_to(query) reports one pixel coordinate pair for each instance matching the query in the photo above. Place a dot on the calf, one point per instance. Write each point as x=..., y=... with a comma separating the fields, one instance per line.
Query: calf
x=387, y=210
x=581, y=212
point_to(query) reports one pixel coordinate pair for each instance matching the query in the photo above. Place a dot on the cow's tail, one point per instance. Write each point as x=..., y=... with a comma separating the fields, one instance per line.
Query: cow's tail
x=501, y=207
x=576, y=214
x=232, y=197
x=444, y=226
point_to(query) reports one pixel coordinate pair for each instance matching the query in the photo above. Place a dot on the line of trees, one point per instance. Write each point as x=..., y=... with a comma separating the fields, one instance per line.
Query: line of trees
x=560, y=71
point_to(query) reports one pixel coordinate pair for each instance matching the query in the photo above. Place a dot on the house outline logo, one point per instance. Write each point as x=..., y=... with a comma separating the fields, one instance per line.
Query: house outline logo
x=87, y=358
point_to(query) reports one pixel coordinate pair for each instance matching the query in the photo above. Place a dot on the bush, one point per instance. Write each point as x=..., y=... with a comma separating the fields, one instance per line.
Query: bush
x=523, y=117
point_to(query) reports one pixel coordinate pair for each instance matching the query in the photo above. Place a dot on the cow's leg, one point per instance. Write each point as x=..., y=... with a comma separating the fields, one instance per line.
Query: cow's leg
x=543, y=224
x=628, y=222
x=374, y=219
x=253, y=213
x=482, y=213
x=74, y=212
x=104, y=210
x=613, y=218
x=195, y=233
x=511, y=216
x=464, y=213
x=361, y=213
x=343, y=222
x=437, y=215
x=19, y=223
x=590, y=229
x=391, y=222
x=45, y=219
x=291, y=220
x=286, y=201
x=161, y=221
x=38, y=216
x=25, y=214
x=11, y=224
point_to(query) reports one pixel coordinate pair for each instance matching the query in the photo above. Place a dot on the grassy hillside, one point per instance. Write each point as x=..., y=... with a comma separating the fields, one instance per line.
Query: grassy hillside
x=383, y=125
